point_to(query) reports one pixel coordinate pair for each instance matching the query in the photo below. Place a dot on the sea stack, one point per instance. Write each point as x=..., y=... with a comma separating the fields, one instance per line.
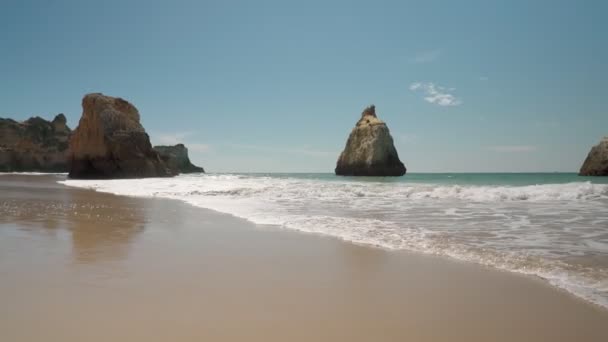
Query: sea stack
x=370, y=150
x=177, y=158
x=596, y=163
x=34, y=145
x=110, y=142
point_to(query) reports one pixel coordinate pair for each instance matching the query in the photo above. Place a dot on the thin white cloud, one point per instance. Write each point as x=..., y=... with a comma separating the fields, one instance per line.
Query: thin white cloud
x=196, y=147
x=512, y=148
x=171, y=138
x=426, y=56
x=305, y=150
x=436, y=94
x=548, y=124
x=483, y=78
x=180, y=138
x=407, y=137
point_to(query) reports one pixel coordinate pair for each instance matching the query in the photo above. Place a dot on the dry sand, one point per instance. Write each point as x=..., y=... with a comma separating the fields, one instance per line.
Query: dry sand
x=76, y=265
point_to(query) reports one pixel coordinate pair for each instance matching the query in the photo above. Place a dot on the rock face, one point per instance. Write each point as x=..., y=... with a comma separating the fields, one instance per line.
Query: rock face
x=110, y=142
x=370, y=150
x=176, y=157
x=35, y=145
x=596, y=163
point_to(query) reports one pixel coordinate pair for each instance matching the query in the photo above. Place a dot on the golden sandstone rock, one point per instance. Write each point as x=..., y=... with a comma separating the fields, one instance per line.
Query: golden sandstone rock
x=596, y=163
x=370, y=150
x=35, y=145
x=110, y=142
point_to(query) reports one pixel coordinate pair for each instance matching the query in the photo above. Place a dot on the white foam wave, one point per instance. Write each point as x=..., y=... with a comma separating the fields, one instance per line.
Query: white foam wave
x=535, y=230
x=232, y=185
x=545, y=192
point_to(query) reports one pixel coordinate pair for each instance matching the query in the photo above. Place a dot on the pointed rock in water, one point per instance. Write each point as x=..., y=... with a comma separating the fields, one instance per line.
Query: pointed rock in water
x=35, y=145
x=596, y=163
x=177, y=158
x=370, y=150
x=110, y=142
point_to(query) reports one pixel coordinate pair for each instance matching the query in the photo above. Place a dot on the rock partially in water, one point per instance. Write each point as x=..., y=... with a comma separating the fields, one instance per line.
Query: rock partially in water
x=110, y=142
x=176, y=157
x=596, y=163
x=34, y=145
x=370, y=150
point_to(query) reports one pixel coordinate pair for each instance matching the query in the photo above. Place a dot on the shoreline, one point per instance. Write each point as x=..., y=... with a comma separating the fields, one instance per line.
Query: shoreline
x=228, y=278
x=414, y=240
x=548, y=280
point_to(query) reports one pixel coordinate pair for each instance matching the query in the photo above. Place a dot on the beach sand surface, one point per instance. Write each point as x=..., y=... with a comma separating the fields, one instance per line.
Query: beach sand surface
x=76, y=265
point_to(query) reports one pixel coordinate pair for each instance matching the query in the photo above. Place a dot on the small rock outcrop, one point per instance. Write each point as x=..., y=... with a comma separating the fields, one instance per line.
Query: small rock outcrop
x=596, y=163
x=370, y=150
x=176, y=157
x=34, y=145
x=110, y=142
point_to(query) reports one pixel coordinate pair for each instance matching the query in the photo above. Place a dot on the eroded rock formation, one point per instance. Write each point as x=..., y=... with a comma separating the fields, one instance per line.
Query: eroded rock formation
x=176, y=157
x=596, y=163
x=370, y=150
x=34, y=145
x=110, y=142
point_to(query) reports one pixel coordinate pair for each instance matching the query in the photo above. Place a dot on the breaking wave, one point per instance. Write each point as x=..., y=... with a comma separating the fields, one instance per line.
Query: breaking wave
x=555, y=231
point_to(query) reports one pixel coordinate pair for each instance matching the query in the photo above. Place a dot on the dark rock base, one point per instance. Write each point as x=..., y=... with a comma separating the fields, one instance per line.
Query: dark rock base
x=371, y=171
x=103, y=168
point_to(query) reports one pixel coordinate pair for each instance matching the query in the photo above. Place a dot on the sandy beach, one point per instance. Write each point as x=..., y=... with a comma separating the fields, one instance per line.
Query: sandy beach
x=76, y=265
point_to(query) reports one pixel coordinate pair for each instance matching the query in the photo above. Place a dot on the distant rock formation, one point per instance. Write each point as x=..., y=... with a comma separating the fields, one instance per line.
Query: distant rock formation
x=110, y=142
x=176, y=157
x=35, y=145
x=596, y=163
x=370, y=150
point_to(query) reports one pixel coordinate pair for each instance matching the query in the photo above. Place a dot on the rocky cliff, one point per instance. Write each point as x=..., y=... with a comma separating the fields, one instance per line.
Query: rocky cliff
x=110, y=142
x=35, y=145
x=370, y=150
x=596, y=163
x=176, y=157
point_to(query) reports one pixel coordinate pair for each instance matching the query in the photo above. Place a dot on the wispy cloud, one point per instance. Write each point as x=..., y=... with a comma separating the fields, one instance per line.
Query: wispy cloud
x=483, y=78
x=426, y=56
x=548, y=124
x=196, y=147
x=305, y=150
x=175, y=138
x=407, y=137
x=171, y=138
x=512, y=148
x=436, y=94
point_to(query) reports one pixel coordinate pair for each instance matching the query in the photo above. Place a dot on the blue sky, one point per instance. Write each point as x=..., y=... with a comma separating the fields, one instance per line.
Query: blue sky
x=278, y=85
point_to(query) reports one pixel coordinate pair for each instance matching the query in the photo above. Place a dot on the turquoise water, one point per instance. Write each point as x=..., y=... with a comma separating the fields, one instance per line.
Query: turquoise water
x=508, y=179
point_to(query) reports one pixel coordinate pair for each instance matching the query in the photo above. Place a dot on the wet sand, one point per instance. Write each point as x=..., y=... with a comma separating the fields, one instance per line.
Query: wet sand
x=76, y=265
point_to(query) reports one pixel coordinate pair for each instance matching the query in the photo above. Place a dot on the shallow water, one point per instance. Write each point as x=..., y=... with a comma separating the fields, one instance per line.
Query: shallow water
x=551, y=225
x=77, y=265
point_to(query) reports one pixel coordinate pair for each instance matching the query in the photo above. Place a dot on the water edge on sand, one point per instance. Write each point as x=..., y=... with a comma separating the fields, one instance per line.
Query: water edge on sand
x=81, y=265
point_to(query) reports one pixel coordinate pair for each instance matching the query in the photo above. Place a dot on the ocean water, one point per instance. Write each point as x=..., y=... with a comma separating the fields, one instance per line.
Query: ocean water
x=551, y=225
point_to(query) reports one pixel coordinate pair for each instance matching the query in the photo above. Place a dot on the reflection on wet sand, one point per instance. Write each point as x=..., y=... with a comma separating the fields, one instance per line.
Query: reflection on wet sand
x=100, y=229
x=76, y=265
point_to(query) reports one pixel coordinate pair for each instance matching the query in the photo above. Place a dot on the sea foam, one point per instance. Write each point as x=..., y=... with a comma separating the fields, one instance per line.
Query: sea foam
x=554, y=231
